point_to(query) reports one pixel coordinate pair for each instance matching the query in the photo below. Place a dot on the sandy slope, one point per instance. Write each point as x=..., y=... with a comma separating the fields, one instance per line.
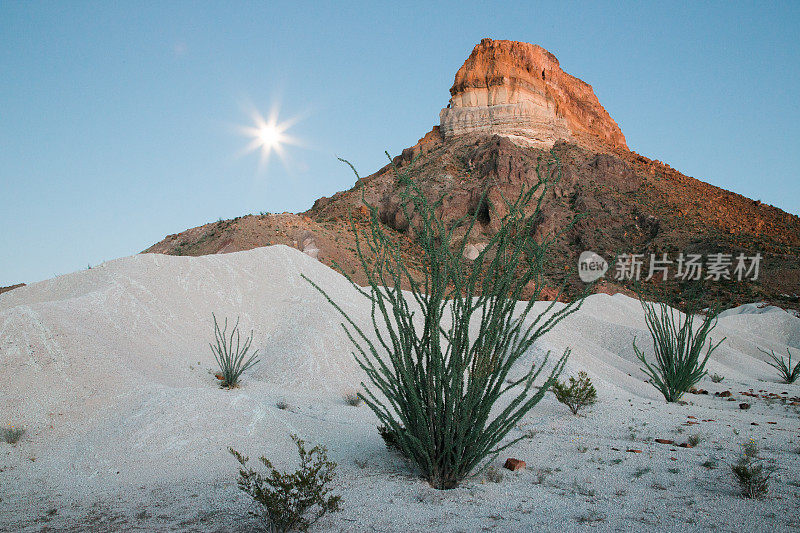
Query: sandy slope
x=109, y=371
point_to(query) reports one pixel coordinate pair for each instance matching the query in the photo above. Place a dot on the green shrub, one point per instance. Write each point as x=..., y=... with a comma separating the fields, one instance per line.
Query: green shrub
x=578, y=394
x=231, y=354
x=750, y=472
x=445, y=347
x=353, y=399
x=784, y=368
x=678, y=345
x=710, y=464
x=286, y=498
x=716, y=378
x=11, y=434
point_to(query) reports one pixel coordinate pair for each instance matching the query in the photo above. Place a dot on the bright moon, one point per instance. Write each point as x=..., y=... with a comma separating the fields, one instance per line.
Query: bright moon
x=267, y=136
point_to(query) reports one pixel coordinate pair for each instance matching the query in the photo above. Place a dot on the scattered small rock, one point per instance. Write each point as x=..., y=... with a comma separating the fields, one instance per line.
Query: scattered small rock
x=744, y=406
x=514, y=464
x=665, y=441
x=632, y=450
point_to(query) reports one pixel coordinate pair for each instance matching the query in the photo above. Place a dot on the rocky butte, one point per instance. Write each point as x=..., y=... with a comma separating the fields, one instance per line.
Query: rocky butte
x=511, y=106
x=519, y=91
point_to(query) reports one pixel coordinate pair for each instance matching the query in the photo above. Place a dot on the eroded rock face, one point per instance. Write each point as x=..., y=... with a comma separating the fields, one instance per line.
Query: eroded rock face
x=518, y=90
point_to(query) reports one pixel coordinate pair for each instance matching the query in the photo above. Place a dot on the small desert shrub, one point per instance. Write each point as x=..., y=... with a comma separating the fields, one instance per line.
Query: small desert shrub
x=784, y=368
x=493, y=474
x=578, y=394
x=282, y=405
x=678, y=345
x=582, y=489
x=750, y=472
x=286, y=498
x=353, y=399
x=710, y=464
x=11, y=434
x=716, y=378
x=541, y=475
x=231, y=354
x=693, y=440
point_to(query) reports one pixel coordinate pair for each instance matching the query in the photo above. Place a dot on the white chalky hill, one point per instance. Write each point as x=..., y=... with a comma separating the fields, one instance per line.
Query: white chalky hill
x=110, y=372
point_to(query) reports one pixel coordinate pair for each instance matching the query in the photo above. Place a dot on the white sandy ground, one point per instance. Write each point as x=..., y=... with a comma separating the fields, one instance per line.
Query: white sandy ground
x=110, y=372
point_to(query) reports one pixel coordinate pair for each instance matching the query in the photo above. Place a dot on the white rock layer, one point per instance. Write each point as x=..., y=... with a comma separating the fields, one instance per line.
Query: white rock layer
x=525, y=116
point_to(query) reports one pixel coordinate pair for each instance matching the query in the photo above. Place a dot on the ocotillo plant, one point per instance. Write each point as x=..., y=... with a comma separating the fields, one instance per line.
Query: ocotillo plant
x=231, y=354
x=678, y=347
x=440, y=355
x=787, y=372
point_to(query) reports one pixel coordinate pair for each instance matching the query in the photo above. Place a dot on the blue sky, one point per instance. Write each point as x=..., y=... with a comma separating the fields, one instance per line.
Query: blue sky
x=118, y=120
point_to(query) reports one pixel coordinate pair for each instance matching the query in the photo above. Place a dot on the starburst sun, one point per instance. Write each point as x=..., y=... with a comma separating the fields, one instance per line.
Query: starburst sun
x=268, y=135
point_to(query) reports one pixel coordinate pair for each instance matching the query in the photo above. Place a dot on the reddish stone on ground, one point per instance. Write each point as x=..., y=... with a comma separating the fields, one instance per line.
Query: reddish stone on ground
x=514, y=464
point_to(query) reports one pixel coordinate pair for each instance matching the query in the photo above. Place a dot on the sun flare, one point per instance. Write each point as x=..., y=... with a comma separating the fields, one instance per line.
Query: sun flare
x=267, y=136
x=270, y=136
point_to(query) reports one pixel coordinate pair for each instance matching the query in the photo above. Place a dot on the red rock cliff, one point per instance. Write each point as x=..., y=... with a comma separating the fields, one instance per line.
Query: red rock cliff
x=519, y=90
